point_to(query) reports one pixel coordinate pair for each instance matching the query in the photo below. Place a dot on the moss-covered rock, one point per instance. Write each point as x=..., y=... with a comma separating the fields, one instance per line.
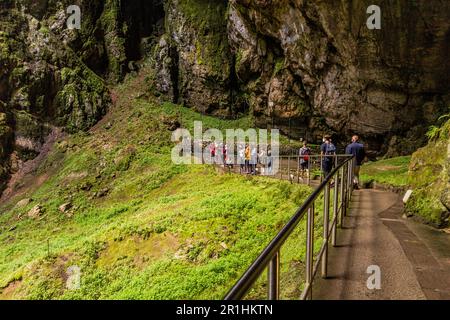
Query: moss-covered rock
x=200, y=61
x=114, y=36
x=430, y=180
x=35, y=79
x=6, y=135
x=53, y=76
x=81, y=99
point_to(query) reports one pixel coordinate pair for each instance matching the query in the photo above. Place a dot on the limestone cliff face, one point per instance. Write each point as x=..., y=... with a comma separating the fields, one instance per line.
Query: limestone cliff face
x=193, y=59
x=306, y=67
x=51, y=76
x=318, y=62
x=43, y=83
x=310, y=67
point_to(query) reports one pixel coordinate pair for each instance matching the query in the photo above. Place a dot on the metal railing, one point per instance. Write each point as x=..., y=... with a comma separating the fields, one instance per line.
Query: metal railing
x=340, y=179
x=289, y=167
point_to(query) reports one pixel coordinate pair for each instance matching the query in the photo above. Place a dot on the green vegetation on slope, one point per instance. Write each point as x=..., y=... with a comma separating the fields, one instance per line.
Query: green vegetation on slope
x=138, y=226
x=187, y=116
x=392, y=171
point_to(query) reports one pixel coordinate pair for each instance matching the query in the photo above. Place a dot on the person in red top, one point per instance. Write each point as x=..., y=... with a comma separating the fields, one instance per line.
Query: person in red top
x=212, y=150
x=304, y=154
x=224, y=153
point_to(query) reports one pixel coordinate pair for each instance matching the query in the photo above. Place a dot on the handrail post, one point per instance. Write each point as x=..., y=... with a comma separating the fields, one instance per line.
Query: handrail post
x=321, y=168
x=342, y=211
x=308, y=173
x=347, y=188
x=274, y=277
x=335, y=209
x=289, y=168
x=352, y=163
x=350, y=182
x=326, y=229
x=281, y=167
x=309, y=249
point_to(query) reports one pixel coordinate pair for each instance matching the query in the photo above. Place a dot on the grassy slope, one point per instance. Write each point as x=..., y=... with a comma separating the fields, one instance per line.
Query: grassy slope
x=392, y=171
x=162, y=231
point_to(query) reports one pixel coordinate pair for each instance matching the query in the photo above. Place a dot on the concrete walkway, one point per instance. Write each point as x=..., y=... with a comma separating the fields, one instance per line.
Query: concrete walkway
x=414, y=259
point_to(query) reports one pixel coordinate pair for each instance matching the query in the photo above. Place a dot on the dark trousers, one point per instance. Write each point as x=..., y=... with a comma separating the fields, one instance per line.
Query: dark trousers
x=327, y=165
x=247, y=165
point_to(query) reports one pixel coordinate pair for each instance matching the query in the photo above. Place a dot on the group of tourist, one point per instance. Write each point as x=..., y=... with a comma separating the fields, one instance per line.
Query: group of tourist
x=328, y=153
x=249, y=157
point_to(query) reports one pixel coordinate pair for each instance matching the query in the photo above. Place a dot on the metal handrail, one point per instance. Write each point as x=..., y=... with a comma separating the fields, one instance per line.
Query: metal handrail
x=312, y=159
x=294, y=172
x=270, y=256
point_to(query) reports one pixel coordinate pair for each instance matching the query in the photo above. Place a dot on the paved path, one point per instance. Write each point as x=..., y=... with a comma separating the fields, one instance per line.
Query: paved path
x=414, y=259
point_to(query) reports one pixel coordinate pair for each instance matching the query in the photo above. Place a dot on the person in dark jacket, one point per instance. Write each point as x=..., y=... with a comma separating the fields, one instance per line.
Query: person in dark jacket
x=356, y=149
x=328, y=151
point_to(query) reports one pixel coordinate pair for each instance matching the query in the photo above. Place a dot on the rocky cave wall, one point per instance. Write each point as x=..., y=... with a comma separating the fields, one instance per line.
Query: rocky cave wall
x=51, y=76
x=387, y=85
x=306, y=67
x=310, y=67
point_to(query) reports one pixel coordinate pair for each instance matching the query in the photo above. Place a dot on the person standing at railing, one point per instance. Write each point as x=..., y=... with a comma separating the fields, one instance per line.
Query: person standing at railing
x=241, y=158
x=254, y=160
x=212, y=151
x=247, y=158
x=228, y=159
x=356, y=149
x=304, y=154
x=262, y=159
x=224, y=153
x=269, y=162
x=327, y=151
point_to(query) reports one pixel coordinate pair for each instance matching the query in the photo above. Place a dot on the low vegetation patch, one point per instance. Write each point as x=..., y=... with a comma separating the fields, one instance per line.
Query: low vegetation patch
x=393, y=172
x=136, y=225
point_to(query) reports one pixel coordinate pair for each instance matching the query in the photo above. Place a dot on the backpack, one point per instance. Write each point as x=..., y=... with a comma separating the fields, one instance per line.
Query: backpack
x=331, y=149
x=305, y=154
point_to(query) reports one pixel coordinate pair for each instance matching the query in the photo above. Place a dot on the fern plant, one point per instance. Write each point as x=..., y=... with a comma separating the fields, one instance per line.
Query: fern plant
x=439, y=132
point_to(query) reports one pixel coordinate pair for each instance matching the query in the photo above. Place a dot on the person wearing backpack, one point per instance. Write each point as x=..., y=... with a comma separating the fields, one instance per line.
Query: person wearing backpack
x=328, y=151
x=304, y=154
